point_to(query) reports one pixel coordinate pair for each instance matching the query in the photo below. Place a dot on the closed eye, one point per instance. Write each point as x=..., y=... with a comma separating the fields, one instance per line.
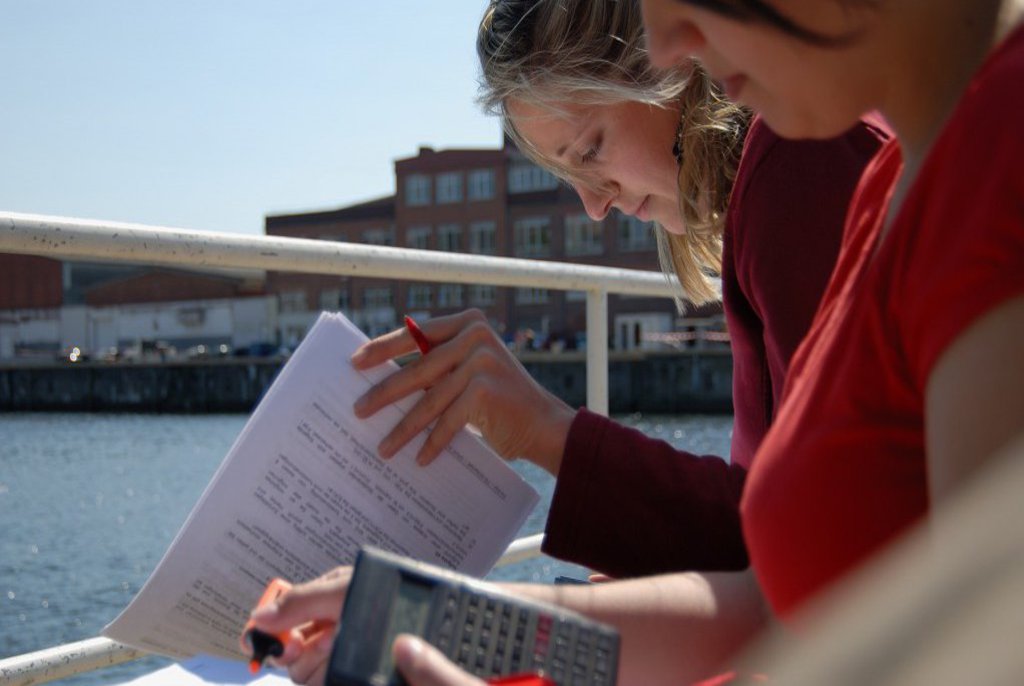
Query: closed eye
x=591, y=154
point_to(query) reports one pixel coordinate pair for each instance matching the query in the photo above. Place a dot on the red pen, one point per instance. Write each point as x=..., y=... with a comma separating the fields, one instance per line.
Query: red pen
x=522, y=680
x=417, y=335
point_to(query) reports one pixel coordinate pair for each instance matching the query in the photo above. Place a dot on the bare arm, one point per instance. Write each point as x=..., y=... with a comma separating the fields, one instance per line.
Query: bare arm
x=675, y=628
x=975, y=398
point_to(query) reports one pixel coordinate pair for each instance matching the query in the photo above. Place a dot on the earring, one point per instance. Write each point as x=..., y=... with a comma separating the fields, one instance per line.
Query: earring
x=677, y=145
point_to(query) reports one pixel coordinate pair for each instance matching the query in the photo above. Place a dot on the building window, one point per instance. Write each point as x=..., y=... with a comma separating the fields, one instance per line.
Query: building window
x=449, y=188
x=379, y=236
x=524, y=177
x=418, y=237
x=293, y=301
x=636, y=235
x=480, y=294
x=417, y=190
x=376, y=298
x=449, y=295
x=481, y=184
x=533, y=236
x=419, y=297
x=583, y=235
x=575, y=296
x=334, y=299
x=483, y=238
x=449, y=237
x=531, y=296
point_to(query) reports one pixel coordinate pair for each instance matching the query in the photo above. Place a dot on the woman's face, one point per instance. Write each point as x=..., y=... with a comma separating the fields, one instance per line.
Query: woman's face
x=620, y=155
x=801, y=90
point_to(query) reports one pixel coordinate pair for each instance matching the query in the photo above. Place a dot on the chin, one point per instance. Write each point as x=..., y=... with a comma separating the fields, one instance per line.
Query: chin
x=800, y=125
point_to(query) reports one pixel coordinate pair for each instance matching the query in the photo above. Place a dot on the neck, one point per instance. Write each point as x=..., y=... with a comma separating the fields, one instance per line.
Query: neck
x=936, y=58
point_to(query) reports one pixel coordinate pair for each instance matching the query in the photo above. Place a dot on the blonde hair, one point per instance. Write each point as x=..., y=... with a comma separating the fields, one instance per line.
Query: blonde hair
x=591, y=52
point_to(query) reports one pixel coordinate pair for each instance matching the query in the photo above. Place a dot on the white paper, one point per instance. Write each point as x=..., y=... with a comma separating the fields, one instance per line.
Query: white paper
x=302, y=488
x=205, y=670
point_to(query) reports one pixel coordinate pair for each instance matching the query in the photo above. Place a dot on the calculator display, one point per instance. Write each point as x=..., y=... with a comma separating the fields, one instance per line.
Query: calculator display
x=410, y=610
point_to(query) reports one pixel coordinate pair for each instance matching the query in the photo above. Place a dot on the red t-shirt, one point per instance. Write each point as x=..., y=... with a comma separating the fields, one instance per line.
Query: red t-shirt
x=842, y=471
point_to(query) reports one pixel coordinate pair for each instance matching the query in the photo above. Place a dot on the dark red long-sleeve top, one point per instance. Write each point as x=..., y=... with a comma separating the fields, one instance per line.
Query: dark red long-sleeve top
x=628, y=505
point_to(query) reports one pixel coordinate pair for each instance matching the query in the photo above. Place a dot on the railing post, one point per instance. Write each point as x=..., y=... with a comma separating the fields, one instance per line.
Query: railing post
x=597, y=351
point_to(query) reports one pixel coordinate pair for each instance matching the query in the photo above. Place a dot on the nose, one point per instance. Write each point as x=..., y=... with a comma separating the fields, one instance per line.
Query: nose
x=597, y=202
x=671, y=39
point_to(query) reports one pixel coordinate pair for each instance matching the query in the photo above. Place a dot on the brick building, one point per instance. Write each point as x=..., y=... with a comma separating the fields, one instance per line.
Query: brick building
x=483, y=201
x=48, y=306
x=30, y=282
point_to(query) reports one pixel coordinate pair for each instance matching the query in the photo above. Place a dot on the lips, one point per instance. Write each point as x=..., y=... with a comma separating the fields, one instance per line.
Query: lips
x=641, y=212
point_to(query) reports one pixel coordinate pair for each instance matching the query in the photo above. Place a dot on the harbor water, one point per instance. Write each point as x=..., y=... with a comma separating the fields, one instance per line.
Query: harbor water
x=90, y=502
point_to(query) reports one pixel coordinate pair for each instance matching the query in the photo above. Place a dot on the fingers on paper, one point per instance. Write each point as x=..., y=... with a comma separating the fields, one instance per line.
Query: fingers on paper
x=400, y=342
x=455, y=400
x=390, y=345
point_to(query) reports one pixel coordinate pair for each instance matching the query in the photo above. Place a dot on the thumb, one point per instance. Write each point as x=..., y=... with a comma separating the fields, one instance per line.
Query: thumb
x=423, y=665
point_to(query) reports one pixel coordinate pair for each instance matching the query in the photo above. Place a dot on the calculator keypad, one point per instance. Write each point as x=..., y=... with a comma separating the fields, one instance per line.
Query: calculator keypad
x=490, y=637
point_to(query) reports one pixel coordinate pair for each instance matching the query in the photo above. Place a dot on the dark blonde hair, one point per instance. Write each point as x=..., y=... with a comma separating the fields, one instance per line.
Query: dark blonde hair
x=591, y=52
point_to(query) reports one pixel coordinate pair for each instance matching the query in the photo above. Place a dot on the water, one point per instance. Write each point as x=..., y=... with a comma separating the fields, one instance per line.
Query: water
x=89, y=503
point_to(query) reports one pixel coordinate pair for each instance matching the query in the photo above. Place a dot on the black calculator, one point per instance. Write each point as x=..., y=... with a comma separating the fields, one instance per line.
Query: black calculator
x=487, y=632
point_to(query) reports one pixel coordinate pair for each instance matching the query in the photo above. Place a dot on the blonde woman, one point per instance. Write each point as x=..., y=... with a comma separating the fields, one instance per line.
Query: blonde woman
x=572, y=85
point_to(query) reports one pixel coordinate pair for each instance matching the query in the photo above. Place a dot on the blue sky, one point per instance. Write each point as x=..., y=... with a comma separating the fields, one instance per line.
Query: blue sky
x=211, y=114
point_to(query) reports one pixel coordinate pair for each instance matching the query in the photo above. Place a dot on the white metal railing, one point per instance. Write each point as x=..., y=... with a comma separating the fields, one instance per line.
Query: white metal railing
x=79, y=238
x=67, y=238
x=96, y=653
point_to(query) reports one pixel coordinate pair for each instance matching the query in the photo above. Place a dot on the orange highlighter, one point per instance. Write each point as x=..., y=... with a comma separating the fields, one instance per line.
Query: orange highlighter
x=261, y=644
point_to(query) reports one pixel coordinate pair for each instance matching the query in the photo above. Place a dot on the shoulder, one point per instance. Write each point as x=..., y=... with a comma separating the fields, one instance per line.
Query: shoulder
x=773, y=166
x=802, y=186
x=975, y=169
x=983, y=133
x=959, y=237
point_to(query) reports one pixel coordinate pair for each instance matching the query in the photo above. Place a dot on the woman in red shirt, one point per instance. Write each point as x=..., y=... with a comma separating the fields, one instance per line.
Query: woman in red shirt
x=911, y=375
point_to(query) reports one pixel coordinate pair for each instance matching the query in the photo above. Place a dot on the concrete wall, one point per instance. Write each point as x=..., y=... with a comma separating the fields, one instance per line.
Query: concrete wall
x=658, y=383
x=224, y=386
x=643, y=382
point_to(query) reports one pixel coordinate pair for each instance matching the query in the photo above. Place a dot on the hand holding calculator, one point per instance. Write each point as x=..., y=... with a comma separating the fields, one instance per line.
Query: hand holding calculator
x=483, y=630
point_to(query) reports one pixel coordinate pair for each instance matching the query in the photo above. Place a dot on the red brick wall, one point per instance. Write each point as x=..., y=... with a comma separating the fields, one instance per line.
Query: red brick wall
x=29, y=282
x=161, y=286
x=349, y=224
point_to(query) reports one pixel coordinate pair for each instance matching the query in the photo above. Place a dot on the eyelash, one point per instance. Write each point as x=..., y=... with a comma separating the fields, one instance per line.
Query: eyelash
x=591, y=154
